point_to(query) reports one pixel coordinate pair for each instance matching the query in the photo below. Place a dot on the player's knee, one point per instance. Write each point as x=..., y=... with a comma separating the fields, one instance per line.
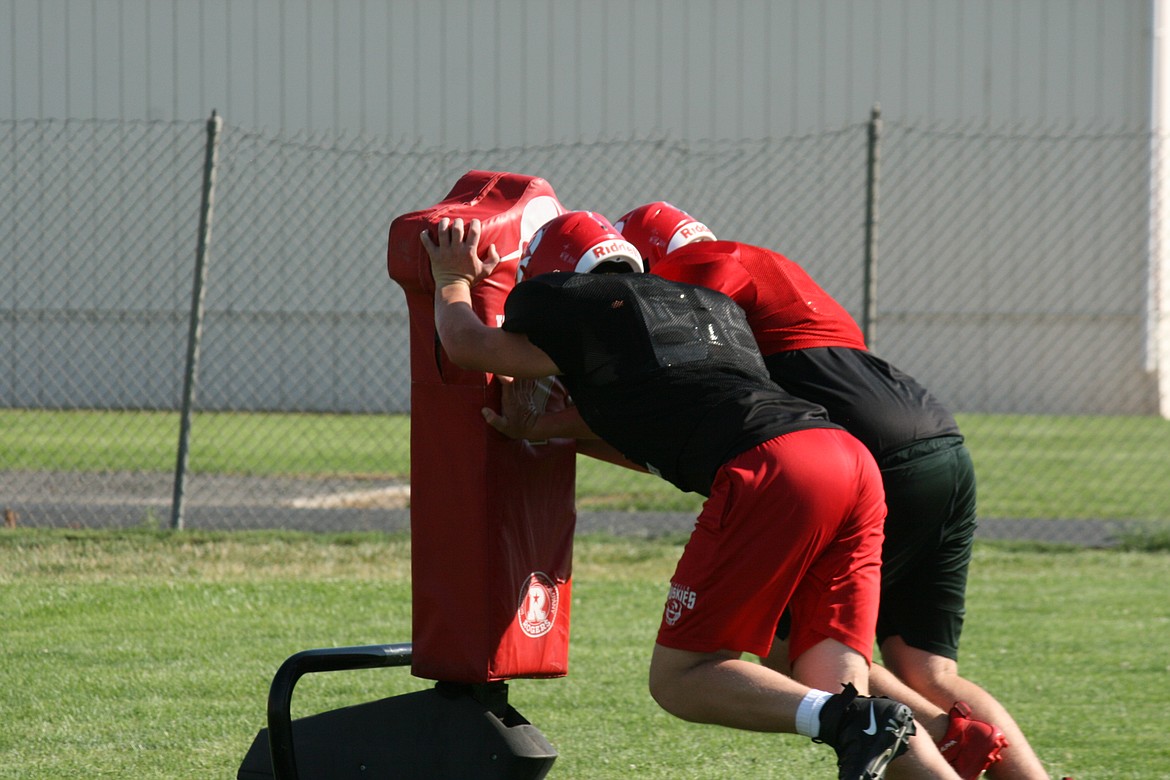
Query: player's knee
x=668, y=692
x=672, y=685
x=920, y=669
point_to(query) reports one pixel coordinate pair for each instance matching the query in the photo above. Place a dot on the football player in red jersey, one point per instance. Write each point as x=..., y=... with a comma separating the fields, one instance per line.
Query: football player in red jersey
x=814, y=349
x=670, y=377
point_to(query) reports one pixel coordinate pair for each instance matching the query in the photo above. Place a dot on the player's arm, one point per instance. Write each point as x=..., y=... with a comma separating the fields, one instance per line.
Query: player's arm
x=566, y=423
x=471, y=344
x=596, y=448
x=520, y=417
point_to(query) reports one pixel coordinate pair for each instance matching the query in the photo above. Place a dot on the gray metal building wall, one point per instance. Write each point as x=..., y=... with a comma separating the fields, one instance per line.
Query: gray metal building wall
x=489, y=73
x=493, y=75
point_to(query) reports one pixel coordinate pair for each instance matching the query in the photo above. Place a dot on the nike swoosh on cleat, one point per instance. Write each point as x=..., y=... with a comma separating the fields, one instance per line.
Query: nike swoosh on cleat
x=872, y=723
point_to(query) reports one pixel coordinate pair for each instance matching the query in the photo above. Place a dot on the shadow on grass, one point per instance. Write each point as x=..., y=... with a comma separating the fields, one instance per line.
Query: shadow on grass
x=1151, y=537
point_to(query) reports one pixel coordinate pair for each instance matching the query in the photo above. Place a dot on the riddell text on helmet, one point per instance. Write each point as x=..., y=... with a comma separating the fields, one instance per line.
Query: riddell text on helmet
x=609, y=248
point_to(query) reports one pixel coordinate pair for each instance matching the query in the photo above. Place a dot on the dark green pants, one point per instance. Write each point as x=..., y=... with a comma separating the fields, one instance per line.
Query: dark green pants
x=930, y=531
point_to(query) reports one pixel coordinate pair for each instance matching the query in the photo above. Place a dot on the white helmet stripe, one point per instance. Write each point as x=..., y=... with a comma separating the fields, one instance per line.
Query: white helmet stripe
x=607, y=251
x=688, y=232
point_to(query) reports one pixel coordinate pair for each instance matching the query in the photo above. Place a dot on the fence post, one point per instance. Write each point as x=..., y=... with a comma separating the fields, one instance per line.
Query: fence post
x=873, y=171
x=195, y=332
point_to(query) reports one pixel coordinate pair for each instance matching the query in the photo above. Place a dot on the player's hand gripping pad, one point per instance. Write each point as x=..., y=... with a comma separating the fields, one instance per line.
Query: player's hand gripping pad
x=491, y=519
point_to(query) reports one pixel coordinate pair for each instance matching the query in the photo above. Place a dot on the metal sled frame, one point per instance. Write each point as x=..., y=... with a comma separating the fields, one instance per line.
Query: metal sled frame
x=452, y=730
x=329, y=659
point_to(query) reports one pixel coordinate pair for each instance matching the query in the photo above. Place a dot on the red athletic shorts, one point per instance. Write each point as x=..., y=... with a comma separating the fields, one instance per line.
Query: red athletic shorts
x=796, y=521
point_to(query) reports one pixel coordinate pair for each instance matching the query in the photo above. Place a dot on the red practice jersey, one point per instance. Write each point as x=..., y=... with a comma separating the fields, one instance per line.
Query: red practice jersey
x=787, y=310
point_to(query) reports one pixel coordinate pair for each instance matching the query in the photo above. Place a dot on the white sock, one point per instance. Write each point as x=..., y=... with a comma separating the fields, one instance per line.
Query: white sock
x=808, y=713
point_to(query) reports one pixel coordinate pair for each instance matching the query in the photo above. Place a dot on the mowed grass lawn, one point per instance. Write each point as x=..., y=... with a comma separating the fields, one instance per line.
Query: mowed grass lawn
x=1029, y=466
x=140, y=654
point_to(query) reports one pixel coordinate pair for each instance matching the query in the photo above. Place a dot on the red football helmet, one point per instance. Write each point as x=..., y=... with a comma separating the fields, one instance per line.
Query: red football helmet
x=657, y=229
x=576, y=241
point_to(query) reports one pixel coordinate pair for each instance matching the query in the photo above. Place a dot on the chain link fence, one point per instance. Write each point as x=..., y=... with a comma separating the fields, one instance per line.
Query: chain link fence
x=1013, y=278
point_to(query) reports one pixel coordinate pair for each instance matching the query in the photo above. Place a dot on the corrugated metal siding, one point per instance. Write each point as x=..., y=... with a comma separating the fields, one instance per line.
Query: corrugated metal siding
x=492, y=80
x=489, y=73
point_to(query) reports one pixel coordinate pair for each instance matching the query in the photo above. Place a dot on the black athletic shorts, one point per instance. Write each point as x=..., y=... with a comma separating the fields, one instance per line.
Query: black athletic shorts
x=930, y=531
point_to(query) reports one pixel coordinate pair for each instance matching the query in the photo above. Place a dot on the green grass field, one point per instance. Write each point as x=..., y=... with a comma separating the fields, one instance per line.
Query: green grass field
x=148, y=655
x=1028, y=466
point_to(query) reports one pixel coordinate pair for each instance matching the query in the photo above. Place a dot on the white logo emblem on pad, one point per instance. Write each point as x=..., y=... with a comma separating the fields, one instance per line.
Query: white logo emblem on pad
x=537, y=610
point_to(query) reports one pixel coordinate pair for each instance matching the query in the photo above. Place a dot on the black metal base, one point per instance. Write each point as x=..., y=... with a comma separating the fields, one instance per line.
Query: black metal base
x=469, y=732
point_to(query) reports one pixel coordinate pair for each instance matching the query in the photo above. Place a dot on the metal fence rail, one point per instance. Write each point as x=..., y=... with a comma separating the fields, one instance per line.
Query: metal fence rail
x=1012, y=279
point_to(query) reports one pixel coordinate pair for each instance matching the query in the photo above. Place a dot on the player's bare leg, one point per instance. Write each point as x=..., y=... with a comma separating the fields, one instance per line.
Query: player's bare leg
x=722, y=688
x=882, y=682
x=937, y=679
x=922, y=759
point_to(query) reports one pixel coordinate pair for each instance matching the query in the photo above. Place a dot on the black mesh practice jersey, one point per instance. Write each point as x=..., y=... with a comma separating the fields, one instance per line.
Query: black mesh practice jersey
x=667, y=373
x=883, y=407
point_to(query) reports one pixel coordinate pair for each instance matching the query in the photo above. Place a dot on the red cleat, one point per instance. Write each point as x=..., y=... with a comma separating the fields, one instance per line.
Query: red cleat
x=970, y=746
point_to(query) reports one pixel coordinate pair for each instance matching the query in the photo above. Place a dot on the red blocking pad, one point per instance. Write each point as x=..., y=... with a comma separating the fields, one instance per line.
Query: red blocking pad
x=491, y=519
